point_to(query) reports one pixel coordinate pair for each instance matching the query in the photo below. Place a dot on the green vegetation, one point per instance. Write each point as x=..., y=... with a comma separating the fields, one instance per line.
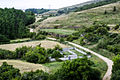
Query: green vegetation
x=116, y=68
x=36, y=54
x=67, y=53
x=79, y=69
x=37, y=11
x=78, y=53
x=100, y=3
x=13, y=24
x=53, y=66
x=88, y=17
x=59, y=31
x=8, y=72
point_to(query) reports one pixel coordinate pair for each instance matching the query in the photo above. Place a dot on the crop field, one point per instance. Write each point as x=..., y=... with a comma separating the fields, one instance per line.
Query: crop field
x=24, y=66
x=45, y=43
x=59, y=31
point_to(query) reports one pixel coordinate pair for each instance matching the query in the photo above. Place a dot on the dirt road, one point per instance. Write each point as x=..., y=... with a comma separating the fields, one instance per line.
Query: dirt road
x=109, y=62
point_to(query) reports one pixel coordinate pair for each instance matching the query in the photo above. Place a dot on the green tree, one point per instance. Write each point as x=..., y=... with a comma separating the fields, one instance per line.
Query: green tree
x=79, y=69
x=114, y=9
x=8, y=72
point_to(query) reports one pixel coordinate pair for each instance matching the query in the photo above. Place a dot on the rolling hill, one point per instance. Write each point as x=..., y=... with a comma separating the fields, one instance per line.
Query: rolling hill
x=85, y=17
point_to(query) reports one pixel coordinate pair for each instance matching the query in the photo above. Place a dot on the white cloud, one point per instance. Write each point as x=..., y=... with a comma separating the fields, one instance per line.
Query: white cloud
x=23, y=4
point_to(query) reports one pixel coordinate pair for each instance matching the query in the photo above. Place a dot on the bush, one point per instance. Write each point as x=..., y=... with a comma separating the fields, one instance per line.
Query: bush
x=6, y=54
x=102, y=43
x=56, y=54
x=8, y=72
x=37, y=75
x=20, y=52
x=37, y=55
x=57, y=47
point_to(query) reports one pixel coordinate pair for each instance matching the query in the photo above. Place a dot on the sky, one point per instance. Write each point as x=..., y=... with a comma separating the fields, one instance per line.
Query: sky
x=47, y=4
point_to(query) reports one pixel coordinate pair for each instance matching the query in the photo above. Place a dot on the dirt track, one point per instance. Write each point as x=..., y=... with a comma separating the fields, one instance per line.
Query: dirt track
x=109, y=62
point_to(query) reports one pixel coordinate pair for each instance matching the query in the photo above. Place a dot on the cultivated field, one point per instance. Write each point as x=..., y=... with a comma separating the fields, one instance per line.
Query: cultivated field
x=59, y=31
x=45, y=43
x=25, y=66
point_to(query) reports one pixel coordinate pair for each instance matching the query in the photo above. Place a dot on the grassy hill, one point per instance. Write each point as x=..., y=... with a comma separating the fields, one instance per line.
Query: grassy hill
x=85, y=18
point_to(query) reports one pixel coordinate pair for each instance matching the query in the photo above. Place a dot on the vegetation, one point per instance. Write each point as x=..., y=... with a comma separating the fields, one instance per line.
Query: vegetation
x=100, y=3
x=59, y=31
x=13, y=24
x=8, y=72
x=37, y=54
x=116, y=68
x=79, y=20
x=79, y=69
x=37, y=11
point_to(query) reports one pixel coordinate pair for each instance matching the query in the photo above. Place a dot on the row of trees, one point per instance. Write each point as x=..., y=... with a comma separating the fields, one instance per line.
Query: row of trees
x=37, y=11
x=79, y=69
x=13, y=24
x=37, y=54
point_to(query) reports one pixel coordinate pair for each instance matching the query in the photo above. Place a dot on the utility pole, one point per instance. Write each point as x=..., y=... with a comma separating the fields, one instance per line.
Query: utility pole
x=49, y=6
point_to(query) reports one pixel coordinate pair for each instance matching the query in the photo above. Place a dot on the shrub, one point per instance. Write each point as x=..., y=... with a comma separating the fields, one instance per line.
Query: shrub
x=57, y=47
x=56, y=54
x=8, y=72
x=6, y=54
x=37, y=75
x=102, y=43
x=20, y=52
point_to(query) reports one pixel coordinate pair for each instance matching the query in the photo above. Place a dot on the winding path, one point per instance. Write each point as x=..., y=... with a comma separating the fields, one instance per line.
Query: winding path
x=109, y=62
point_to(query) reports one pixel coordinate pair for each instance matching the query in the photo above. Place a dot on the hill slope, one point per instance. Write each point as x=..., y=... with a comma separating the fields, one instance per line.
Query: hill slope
x=86, y=17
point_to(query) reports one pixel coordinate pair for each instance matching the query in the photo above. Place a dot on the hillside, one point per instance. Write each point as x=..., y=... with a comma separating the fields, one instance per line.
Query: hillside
x=85, y=18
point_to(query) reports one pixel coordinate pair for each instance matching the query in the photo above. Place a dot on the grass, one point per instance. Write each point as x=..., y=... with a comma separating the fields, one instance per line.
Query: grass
x=59, y=31
x=20, y=40
x=45, y=43
x=53, y=66
x=25, y=66
x=99, y=64
x=78, y=53
x=86, y=17
x=67, y=53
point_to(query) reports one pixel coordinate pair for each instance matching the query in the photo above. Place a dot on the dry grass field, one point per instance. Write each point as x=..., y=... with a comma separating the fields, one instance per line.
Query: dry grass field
x=86, y=17
x=25, y=66
x=45, y=43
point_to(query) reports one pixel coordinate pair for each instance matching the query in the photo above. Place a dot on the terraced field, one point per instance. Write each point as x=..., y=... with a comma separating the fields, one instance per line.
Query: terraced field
x=45, y=43
x=59, y=31
x=25, y=66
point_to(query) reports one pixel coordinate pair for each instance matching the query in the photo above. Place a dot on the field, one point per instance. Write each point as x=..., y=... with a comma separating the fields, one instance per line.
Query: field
x=59, y=31
x=24, y=66
x=86, y=17
x=45, y=43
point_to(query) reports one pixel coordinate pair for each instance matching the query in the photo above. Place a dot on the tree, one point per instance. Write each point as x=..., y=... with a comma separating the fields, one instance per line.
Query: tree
x=79, y=69
x=114, y=9
x=20, y=52
x=116, y=65
x=105, y=12
x=8, y=72
x=102, y=31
